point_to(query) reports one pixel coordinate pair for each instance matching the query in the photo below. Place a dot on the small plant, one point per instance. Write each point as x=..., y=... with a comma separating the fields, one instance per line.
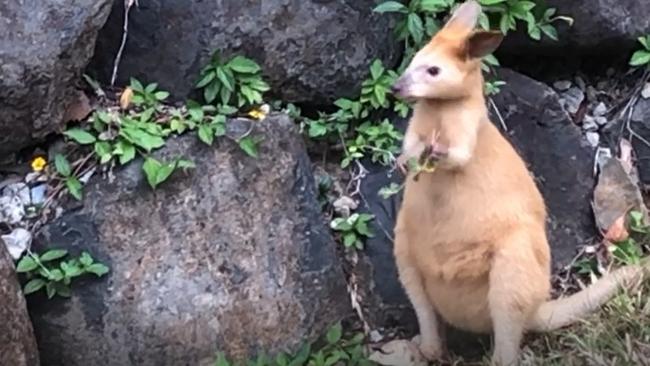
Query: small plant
x=642, y=57
x=380, y=140
x=336, y=350
x=354, y=229
x=157, y=172
x=238, y=79
x=630, y=250
x=64, y=169
x=375, y=90
x=147, y=96
x=50, y=271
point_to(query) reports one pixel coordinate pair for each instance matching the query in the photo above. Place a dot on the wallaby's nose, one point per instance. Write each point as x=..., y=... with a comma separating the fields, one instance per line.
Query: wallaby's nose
x=395, y=88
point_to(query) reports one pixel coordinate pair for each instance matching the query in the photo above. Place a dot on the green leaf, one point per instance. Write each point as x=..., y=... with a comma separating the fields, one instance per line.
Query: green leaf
x=185, y=164
x=206, y=134
x=50, y=289
x=26, y=264
x=142, y=138
x=151, y=167
x=53, y=254
x=98, y=269
x=376, y=69
x=62, y=165
x=645, y=42
x=150, y=88
x=210, y=92
x=640, y=58
x=62, y=290
x=491, y=2
x=390, y=7
x=415, y=27
x=71, y=269
x=550, y=31
x=56, y=274
x=225, y=81
x=86, y=259
x=34, y=285
x=334, y=334
x=136, y=85
x=349, y=239
x=243, y=65
x=165, y=172
x=74, y=187
x=206, y=79
x=103, y=151
x=128, y=152
x=249, y=145
x=161, y=95
x=80, y=136
x=225, y=95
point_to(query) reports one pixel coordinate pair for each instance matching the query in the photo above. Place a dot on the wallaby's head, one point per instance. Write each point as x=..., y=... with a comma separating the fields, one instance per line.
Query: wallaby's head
x=449, y=67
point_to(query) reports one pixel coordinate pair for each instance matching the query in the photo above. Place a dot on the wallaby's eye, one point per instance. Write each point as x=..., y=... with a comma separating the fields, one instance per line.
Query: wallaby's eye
x=433, y=70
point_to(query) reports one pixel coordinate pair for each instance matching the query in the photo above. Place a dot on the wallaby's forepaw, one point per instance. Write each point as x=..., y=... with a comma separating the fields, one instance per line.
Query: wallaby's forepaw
x=431, y=350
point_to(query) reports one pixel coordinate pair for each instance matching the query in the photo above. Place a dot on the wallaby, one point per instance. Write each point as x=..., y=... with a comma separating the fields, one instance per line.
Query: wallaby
x=470, y=240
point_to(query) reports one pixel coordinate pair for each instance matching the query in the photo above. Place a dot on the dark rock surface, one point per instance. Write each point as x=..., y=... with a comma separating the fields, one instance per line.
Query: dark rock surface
x=311, y=51
x=640, y=123
x=17, y=342
x=44, y=48
x=233, y=256
x=556, y=153
x=607, y=28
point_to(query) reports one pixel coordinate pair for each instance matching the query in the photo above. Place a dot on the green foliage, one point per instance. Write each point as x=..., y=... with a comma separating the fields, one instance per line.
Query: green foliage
x=374, y=90
x=64, y=169
x=336, y=349
x=629, y=251
x=238, y=79
x=642, y=57
x=147, y=96
x=354, y=229
x=54, y=273
x=380, y=140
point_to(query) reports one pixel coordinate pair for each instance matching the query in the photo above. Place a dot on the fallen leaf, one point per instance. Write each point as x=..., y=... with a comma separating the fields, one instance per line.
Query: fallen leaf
x=126, y=97
x=398, y=353
x=79, y=107
x=626, y=155
x=617, y=232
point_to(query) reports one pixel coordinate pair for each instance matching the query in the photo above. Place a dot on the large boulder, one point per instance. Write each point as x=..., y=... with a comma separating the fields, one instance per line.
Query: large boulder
x=560, y=159
x=45, y=47
x=600, y=27
x=640, y=124
x=311, y=51
x=17, y=342
x=231, y=257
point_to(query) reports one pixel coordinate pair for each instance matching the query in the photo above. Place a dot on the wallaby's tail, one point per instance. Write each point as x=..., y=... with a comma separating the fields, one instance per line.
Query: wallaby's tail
x=562, y=312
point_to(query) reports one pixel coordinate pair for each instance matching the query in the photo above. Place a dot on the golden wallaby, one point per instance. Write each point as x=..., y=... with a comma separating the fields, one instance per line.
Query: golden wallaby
x=470, y=241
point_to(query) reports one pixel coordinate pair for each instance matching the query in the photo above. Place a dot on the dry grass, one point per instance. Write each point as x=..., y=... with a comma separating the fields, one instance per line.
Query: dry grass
x=619, y=335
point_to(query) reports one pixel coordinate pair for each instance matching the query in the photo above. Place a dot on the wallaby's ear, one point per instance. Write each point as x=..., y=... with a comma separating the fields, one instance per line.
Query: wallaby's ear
x=465, y=16
x=483, y=43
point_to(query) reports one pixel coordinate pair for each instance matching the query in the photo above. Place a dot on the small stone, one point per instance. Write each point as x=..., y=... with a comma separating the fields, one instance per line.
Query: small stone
x=572, y=99
x=589, y=124
x=38, y=194
x=562, y=85
x=610, y=72
x=344, y=205
x=593, y=138
x=601, y=120
x=592, y=94
x=580, y=82
x=600, y=109
x=645, y=93
x=17, y=242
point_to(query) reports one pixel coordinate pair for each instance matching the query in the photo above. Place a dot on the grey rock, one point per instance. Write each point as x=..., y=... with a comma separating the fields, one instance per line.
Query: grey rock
x=233, y=256
x=589, y=124
x=17, y=342
x=640, y=123
x=572, y=99
x=593, y=138
x=562, y=85
x=645, y=92
x=45, y=47
x=599, y=26
x=600, y=109
x=311, y=51
x=601, y=120
x=542, y=131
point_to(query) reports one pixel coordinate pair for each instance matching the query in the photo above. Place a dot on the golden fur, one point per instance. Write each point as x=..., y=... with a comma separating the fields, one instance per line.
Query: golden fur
x=470, y=240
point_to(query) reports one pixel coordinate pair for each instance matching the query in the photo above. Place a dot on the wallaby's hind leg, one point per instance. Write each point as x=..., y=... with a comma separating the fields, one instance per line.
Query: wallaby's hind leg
x=431, y=344
x=519, y=283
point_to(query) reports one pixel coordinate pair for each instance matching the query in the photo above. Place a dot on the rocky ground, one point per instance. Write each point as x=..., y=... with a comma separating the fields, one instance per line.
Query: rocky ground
x=236, y=254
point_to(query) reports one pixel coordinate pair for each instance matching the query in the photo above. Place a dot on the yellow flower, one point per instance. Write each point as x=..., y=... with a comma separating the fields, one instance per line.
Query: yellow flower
x=260, y=113
x=38, y=164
